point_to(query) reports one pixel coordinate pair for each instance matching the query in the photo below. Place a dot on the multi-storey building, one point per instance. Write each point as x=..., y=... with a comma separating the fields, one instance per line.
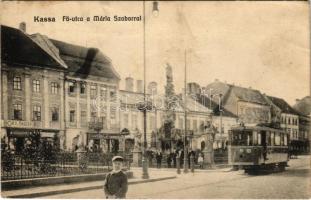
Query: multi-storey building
x=303, y=106
x=32, y=82
x=247, y=104
x=91, y=90
x=132, y=118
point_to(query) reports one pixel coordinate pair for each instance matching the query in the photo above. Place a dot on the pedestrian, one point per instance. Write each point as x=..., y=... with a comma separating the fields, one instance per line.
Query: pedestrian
x=200, y=161
x=159, y=159
x=115, y=185
x=169, y=160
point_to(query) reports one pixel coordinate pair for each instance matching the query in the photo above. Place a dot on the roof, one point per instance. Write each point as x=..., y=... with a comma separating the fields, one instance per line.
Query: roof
x=18, y=48
x=48, y=47
x=304, y=106
x=206, y=101
x=82, y=61
x=283, y=105
x=244, y=94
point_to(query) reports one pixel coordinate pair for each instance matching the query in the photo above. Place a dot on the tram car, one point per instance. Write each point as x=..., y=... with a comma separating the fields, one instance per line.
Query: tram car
x=258, y=148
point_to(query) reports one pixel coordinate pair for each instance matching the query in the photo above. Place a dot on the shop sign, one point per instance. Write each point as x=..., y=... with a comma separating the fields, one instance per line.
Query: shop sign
x=18, y=124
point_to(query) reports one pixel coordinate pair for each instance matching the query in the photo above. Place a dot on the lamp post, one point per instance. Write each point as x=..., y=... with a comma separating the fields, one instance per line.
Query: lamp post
x=155, y=11
x=185, y=107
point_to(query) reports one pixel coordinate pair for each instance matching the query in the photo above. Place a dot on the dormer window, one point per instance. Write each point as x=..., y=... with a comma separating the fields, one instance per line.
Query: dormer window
x=82, y=88
x=71, y=87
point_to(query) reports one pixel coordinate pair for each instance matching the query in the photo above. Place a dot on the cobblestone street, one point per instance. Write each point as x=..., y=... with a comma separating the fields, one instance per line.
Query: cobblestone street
x=293, y=183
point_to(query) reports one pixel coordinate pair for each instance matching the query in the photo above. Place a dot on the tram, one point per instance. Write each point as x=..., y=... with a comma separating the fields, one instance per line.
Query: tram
x=255, y=148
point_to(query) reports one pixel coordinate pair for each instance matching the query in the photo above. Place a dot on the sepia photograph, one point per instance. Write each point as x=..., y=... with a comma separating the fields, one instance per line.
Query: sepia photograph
x=155, y=99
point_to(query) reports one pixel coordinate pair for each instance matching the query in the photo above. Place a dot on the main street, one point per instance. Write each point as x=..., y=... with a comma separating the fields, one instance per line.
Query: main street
x=293, y=183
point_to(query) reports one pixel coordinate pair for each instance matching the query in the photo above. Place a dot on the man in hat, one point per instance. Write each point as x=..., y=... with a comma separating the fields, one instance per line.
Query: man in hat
x=115, y=185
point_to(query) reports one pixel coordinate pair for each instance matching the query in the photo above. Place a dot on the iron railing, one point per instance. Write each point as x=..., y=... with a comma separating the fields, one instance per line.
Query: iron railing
x=66, y=164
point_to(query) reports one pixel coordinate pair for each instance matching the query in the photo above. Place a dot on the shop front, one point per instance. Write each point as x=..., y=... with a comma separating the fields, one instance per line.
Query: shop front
x=20, y=133
x=107, y=142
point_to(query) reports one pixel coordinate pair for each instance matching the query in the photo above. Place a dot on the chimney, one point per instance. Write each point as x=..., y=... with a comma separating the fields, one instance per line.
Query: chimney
x=297, y=100
x=216, y=80
x=193, y=88
x=22, y=27
x=153, y=88
x=129, y=84
x=139, y=86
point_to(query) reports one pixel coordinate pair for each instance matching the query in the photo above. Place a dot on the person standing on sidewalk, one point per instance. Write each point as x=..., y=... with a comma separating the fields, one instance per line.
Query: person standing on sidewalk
x=159, y=159
x=116, y=185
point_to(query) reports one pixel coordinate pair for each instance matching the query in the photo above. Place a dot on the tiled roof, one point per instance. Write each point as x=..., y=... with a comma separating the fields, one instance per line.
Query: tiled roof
x=204, y=100
x=49, y=47
x=283, y=105
x=18, y=48
x=244, y=94
x=82, y=61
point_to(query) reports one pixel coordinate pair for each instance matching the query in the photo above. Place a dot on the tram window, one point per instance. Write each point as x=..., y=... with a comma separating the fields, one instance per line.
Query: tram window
x=282, y=139
x=268, y=138
x=259, y=138
x=272, y=138
x=255, y=137
x=277, y=139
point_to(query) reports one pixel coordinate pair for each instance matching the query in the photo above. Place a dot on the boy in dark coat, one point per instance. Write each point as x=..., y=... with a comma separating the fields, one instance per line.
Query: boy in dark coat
x=115, y=185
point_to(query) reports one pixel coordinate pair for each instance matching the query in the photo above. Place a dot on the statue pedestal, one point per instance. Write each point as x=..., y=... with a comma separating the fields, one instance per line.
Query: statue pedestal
x=208, y=158
x=137, y=158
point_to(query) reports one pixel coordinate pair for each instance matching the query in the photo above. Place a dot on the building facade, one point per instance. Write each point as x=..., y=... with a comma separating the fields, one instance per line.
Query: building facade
x=32, y=95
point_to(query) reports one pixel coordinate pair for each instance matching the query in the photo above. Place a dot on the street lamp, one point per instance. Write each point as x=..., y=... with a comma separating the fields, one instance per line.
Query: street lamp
x=155, y=11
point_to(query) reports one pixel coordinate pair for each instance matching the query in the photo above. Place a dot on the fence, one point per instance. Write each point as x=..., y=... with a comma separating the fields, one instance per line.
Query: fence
x=66, y=164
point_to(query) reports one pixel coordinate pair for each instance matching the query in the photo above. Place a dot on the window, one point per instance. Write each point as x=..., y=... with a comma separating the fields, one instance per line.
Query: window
x=93, y=90
x=54, y=114
x=259, y=138
x=113, y=96
x=37, y=113
x=103, y=93
x=285, y=139
x=255, y=135
x=93, y=116
x=277, y=139
x=272, y=139
x=17, y=82
x=36, y=86
x=72, y=116
x=71, y=87
x=82, y=88
x=54, y=88
x=17, y=112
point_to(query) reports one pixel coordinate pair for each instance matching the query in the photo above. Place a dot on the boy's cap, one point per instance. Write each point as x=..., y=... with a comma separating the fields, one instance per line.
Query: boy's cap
x=117, y=158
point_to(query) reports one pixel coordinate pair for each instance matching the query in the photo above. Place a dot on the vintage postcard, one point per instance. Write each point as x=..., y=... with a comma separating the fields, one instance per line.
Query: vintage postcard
x=155, y=99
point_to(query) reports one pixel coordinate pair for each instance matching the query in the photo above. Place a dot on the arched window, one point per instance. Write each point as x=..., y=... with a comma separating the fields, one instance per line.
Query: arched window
x=202, y=145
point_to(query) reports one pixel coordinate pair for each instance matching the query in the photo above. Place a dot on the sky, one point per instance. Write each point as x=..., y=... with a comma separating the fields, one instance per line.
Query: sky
x=263, y=45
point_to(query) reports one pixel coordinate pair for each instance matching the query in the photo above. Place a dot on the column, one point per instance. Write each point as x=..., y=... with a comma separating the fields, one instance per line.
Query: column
x=4, y=94
x=88, y=101
x=78, y=105
x=28, y=90
x=46, y=109
x=62, y=132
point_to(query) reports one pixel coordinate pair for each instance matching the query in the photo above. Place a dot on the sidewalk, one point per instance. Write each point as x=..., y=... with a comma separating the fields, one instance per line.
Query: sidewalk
x=32, y=192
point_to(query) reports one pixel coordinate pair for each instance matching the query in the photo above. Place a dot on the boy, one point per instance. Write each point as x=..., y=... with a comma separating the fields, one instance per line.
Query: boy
x=115, y=185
